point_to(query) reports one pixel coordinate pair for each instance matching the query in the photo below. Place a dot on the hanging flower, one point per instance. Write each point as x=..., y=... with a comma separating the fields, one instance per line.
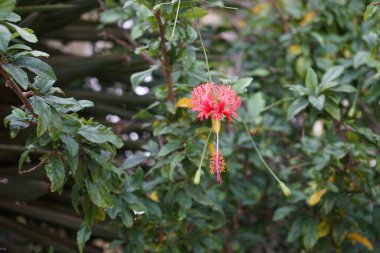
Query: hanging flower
x=216, y=101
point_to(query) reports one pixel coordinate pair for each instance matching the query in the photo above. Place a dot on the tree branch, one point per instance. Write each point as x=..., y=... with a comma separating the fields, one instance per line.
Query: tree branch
x=167, y=70
x=42, y=161
x=146, y=57
x=131, y=46
x=23, y=96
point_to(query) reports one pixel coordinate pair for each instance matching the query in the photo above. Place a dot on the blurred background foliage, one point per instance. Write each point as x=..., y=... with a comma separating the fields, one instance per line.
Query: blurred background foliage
x=307, y=72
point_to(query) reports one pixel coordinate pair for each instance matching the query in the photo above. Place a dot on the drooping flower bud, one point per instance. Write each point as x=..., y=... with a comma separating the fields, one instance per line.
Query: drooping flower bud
x=285, y=190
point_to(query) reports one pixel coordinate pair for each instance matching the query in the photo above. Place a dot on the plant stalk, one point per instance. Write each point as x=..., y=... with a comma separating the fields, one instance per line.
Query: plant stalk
x=167, y=69
x=14, y=87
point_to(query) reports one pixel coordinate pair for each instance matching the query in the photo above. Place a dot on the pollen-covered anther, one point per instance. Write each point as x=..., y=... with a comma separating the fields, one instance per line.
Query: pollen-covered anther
x=217, y=165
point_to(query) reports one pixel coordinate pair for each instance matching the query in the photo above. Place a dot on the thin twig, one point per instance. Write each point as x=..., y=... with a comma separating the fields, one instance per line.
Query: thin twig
x=42, y=161
x=167, y=70
x=130, y=45
x=21, y=95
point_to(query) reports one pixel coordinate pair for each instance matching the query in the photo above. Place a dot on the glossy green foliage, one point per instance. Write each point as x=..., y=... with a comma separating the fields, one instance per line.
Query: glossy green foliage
x=307, y=72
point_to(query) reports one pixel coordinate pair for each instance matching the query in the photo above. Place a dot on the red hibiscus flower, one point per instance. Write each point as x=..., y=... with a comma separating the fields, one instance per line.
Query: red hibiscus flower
x=215, y=100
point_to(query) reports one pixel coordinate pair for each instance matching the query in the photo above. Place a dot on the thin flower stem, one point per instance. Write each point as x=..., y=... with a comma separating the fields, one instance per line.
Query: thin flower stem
x=217, y=137
x=175, y=20
x=260, y=156
x=204, y=150
x=202, y=44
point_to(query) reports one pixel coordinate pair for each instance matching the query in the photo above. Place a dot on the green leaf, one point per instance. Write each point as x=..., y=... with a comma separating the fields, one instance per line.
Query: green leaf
x=19, y=47
x=43, y=86
x=127, y=218
x=178, y=157
x=63, y=105
x=34, y=53
x=152, y=207
x=111, y=16
x=44, y=114
x=339, y=231
x=260, y=72
x=369, y=135
x=16, y=120
x=282, y=212
x=17, y=74
x=191, y=33
x=55, y=127
x=143, y=114
x=295, y=230
x=100, y=134
x=71, y=145
x=310, y=233
x=345, y=88
x=24, y=157
x=361, y=58
x=168, y=148
x=332, y=74
x=137, y=31
x=317, y=102
x=198, y=195
x=25, y=33
x=55, y=171
x=128, y=3
x=311, y=79
x=139, y=77
x=375, y=50
x=300, y=90
x=241, y=85
x=75, y=195
x=73, y=162
x=83, y=235
x=296, y=107
x=326, y=86
x=255, y=106
x=37, y=66
x=6, y=7
x=370, y=11
x=13, y=17
x=5, y=37
x=134, y=160
x=302, y=64
x=183, y=200
x=193, y=13
x=99, y=193
x=332, y=109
